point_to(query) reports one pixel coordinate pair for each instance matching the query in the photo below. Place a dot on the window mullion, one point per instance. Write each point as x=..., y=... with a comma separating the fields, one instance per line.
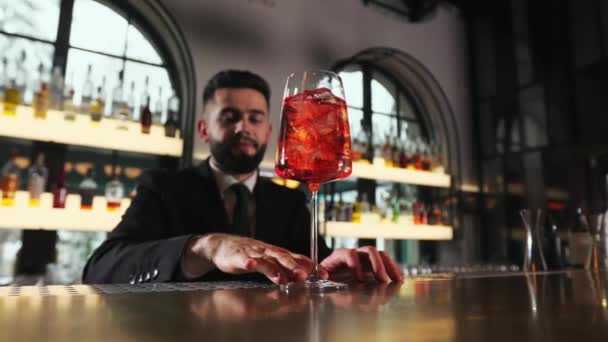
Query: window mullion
x=62, y=45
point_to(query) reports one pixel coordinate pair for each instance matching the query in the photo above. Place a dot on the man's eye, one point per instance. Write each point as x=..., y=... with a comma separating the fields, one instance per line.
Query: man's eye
x=229, y=116
x=257, y=118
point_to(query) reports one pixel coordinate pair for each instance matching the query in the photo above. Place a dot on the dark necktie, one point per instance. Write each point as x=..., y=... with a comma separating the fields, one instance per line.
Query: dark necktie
x=240, y=214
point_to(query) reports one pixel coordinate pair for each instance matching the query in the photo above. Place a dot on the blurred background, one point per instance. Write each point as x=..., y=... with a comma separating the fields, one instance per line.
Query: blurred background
x=461, y=113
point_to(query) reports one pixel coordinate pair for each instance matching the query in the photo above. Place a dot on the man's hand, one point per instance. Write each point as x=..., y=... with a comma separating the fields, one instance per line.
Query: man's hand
x=361, y=261
x=236, y=255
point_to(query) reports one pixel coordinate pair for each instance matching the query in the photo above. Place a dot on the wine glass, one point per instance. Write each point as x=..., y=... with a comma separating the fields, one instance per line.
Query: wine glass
x=314, y=146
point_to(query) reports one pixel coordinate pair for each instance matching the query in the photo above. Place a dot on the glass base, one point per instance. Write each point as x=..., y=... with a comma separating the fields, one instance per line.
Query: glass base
x=314, y=286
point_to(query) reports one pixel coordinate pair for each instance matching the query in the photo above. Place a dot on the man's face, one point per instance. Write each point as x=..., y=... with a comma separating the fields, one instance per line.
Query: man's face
x=235, y=124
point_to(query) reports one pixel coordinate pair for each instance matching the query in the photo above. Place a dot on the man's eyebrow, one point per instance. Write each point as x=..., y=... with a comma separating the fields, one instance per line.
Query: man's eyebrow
x=236, y=110
x=257, y=111
x=230, y=109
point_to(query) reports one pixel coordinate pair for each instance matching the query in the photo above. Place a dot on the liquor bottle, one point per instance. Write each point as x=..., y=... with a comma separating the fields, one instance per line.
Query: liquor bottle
x=395, y=208
x=434, y=217
x=425, y=157
x=87, y=91
x=436, y=159
x=445, y=214
x=405, y=216
x=158, y=108
x=172, y=122
x=340, y=211
x=418, y=212
x=322, y=214
x=12, y=98
x=145, y=94
x=97, y=106
x=9, y=183
x=416, y=161
x=387, y=152
x=146, y=117
x=424, y=216
x=171, y=126
x=68, y=105
x=41, y=101
x=133, y=112
x=56, y=88
x=5, y=79
x=403, y=158
x=36, y=180
x=23, y=79
x=69, y=109
x=115, y=192
x=395, y=152
x=87, y=189
x=357, y=148
x=60, y=192
x=367, y=155
x=120, y=109
x=357, y=210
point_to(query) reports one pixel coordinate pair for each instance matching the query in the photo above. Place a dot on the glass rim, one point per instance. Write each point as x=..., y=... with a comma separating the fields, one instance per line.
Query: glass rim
x=314, y=71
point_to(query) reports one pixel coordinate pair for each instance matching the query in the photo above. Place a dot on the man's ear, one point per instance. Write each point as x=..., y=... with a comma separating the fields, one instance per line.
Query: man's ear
x=201, y=129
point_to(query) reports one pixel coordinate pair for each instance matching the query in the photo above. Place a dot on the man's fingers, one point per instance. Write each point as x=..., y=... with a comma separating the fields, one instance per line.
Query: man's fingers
x=351, y=258
x=239, y=262
x=377, y=264
x=323, y=272
x=271, y=268
x=303, y=261
x=253, y=252
x=287, y=261
x=393, y=270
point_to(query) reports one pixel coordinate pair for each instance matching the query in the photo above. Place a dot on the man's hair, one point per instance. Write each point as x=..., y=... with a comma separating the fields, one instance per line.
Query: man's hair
x=235, y=79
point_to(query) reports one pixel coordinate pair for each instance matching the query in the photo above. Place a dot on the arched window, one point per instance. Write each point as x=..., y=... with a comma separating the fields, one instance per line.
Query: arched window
x=139, y=38
x=392, y=110
x=76, y=34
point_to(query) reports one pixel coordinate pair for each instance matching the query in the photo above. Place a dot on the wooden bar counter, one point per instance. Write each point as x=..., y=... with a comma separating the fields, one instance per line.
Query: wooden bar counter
x=563, y=306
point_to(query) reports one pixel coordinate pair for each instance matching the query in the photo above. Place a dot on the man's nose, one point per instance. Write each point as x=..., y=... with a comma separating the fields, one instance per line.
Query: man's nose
x=242, y=126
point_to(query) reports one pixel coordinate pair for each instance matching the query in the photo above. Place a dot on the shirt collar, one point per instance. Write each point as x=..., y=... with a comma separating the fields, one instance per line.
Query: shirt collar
x=224, y=180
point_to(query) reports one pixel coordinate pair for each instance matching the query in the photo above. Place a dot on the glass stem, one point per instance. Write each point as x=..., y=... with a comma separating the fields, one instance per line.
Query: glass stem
x=314, y=234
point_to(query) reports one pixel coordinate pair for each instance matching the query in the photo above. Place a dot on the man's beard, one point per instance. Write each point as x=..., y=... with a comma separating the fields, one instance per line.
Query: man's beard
x=236, y=163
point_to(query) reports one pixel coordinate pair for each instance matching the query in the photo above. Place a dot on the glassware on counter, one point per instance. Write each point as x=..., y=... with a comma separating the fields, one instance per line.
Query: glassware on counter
x=115, y=192
x=534, y=257
x=60, y=192
x=120, y=108
x=9, y=182
x=36, y=180
x=87, y=190
x=314, y=145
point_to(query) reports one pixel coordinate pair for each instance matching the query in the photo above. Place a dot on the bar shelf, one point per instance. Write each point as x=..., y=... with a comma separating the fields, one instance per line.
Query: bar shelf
x=83, y=132
x=71, y=218
x=387, y=231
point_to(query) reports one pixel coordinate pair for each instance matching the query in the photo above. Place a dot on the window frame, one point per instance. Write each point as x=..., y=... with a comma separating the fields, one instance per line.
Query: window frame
x=401, y=91
x=62, y=44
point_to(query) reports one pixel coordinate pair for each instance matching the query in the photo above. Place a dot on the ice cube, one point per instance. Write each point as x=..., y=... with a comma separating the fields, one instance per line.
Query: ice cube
x=321, y=95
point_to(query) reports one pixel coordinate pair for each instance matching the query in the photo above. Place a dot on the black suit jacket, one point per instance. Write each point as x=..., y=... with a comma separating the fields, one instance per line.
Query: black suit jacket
x=169, y=209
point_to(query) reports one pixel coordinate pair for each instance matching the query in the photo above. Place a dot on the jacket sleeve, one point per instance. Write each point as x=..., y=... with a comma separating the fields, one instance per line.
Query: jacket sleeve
x=140, y=248
x=300, y=240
